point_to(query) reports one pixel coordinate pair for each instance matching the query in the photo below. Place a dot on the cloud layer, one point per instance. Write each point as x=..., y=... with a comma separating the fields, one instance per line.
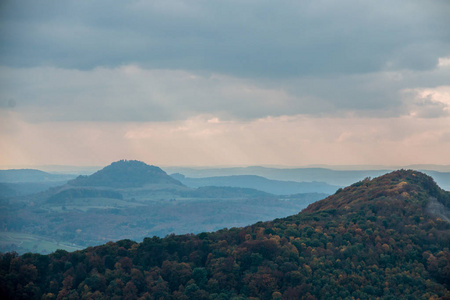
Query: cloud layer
x=132, y=94
x=290, y=141
x=225, y=82
x=238, y=38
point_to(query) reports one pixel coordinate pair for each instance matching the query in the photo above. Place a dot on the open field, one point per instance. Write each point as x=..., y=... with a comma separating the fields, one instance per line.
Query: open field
x=85, y=204
x=22, y=243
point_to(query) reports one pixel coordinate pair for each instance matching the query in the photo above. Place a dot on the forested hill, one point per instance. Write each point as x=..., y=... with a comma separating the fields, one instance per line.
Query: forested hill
x=376, y=238
x=125, y=174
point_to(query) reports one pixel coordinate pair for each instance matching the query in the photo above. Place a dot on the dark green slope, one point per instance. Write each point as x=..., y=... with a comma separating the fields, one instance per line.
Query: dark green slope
x=378, y=238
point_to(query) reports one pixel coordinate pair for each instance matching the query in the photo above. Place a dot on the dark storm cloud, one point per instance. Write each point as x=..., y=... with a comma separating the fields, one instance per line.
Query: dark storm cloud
x=272, y=39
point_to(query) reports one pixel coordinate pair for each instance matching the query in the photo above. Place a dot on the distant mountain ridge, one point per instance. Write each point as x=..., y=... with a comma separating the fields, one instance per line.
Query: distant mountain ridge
x=226, y=192
x=333, y=177
x=130, y=199
x=330, y=176
x=125, y=174
x=20, y=182
x=31, y=175
x=277, y=187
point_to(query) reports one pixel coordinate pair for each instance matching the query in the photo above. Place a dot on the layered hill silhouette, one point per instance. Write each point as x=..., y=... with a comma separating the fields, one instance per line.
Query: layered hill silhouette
x=125, y=174
x=20, y=182
x=276, y=187
x=384, y=238
x=129, y=178
x=114, y=182
x=31, y=175
x=129, y=199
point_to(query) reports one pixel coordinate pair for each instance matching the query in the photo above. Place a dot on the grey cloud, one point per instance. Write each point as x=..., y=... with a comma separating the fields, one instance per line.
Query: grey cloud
x=134, y=94
x=445, y=138
x=430, y=109
x=247, y=59
x=7, y=103
x=242, y=38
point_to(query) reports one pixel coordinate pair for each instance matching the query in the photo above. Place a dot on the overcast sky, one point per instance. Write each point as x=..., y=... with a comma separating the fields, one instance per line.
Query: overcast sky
x=224, y=82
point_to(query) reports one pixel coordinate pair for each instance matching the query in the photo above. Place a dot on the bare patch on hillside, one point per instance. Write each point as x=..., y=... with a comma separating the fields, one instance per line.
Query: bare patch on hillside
x=438, y=209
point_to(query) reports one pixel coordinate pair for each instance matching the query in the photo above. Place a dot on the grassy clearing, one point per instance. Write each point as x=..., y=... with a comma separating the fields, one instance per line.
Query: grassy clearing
x=23, y=242
x=85, y=204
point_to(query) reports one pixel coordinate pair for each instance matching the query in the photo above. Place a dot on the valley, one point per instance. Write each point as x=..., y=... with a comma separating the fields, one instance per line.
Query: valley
x=130, y=199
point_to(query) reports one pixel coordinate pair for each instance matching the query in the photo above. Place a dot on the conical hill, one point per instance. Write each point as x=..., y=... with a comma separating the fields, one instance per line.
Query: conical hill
x=124, y=174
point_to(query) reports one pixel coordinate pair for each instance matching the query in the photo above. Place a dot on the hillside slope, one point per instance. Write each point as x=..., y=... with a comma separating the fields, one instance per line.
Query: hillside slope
x=376, y=238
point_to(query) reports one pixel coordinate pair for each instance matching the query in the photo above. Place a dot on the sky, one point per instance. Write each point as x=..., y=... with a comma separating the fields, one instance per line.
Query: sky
x=224, y=83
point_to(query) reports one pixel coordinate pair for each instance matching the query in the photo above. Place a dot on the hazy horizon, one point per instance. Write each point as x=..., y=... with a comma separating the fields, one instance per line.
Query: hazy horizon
x=81, y=169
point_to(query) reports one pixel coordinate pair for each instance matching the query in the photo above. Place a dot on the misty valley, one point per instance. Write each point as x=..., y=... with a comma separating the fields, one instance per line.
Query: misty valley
x=131, y=200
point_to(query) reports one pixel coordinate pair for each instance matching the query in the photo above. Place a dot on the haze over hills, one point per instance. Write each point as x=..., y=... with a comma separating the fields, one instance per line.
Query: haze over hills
x=429, y=167
x=334, y=177
x=276, y=187
x=130, y=199
x=31, y=175
x=442, y=178
x=380, y=238
x=20, y=182
x=328, y=176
